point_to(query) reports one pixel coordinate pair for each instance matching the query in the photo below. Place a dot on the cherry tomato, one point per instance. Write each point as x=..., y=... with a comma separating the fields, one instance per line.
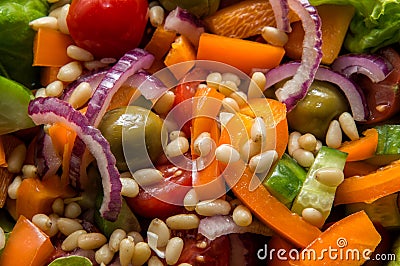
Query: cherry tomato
x=147, y=203
x=183, y=93
x=213, y=253
x=107, y=28
x=383, y=98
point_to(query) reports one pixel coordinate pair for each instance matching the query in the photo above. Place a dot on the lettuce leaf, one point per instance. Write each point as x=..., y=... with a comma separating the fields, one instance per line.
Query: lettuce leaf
x=375, y=25
x=16, y=39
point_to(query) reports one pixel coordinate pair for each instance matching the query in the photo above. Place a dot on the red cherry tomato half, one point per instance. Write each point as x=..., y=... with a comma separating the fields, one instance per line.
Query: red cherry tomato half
x=184, y=92
x=147, y=203
x=107, y=28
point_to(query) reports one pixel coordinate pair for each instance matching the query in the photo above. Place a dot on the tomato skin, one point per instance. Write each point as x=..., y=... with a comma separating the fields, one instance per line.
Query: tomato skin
x=216, y=252
x=184, y=92
x=147, y=205
x=107, y=28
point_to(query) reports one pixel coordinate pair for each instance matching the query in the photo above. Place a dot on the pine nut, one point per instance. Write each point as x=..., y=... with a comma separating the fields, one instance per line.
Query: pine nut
x=329, y=176
x=225, y=117
x=136, y=236
x=141, y=254
x=313, y=216
x=177, y=147
x=274, y=36
x=16, y=159
x=91, y=241
x=250, y=149
x=115, y=239
x=62, y=19
x=44, y=22
x=104, y=255
x=213, y=207
x=79, y=54
x=175, y=134
x=58, y=206
x=2, y=239
x=148, y=176
x=54, y=228
x=333, y=136
x=203, y=144
x=55, y=12
x=54, y=89
x=214, y=79
x=303, y=157
x=318, y=146
x=72, y=210
x=190, y=200
x=93, y=65
x=67, y=226
x=183, y=222
x=154, y=261
x=258, y=131
x=159, y=228
x=185, y=264
x=242, y=216
x=231, y=77
x=126, y=250
x=240, y=97
x=257, y=85
x=41, y=93
x=130, y=187
x=70, y=71
x=293, y=143
x=42, y=221
x=227, y=154
x=71, y=242
x=227, y=87
x=153, y=3
x=12, y=190
x=156, y=16
x=164, y=104
x=173, y=250
x=80, y=95
x=262, y=162
x=382, y=107
x=108, y=60
x=308, y=142
x=230, y=105
x=348, y=125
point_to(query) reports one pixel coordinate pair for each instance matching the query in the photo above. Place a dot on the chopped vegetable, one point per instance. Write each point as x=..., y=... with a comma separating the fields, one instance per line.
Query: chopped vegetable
x=36, y=196
x=370, y=187
x=388, y=139
x=242, y=54
x=27, y=245
x=315, y=193
x=285, y=180
x=362, y=148
x=160, y=42
x=16, y=39
x=48, y=75
x=200, y=8
x=14, y=111
x=181, y=51
x=353, y=235
x=334, y=29
x=268, y=209
x=50, y=48
x=5, y=180
x=3, y=161
x=73, y=260
x=358, y=168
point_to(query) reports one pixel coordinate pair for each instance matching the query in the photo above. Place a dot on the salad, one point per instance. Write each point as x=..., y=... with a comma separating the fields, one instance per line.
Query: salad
x=218, y=132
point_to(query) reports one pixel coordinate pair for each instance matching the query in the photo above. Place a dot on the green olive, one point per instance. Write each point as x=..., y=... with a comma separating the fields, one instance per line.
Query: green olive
x=135, y=135
x=313, y=113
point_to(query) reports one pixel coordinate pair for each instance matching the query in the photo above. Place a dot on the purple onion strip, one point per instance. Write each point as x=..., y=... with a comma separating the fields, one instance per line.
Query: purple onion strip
x=281, y=12
x=46, y=158
x=51, y=110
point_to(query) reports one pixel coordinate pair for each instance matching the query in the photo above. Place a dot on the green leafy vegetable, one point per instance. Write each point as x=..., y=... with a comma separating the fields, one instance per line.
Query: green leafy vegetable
x=16, y=39
x=14, y=100
x=375, y=25
x=200, y=8
x=71, y=261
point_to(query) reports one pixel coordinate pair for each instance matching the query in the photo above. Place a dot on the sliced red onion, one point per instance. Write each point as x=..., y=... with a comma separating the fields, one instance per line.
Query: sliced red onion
x=51, y=110
x=149, y=85
x=219, y=225
x=46, y=158
x=113, y=79
x=92, y=77
x=375, y=67
x=354, y=94
x=281, y=12
x=296, y=88
x=184, y=23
